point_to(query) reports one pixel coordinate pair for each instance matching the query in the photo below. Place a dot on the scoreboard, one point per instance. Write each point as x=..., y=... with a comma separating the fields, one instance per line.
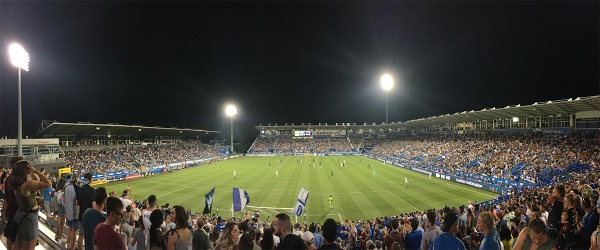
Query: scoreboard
x=301, y=133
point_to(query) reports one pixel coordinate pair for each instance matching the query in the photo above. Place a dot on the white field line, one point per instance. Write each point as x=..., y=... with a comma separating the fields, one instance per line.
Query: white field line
x=357, y=192
x=402, y=200
x=288, y=208
x=444, y=181
x=170, y=192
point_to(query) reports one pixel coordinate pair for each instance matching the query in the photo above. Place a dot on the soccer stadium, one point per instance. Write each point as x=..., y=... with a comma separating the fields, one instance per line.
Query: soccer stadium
x=243, y=125
x=362, y=176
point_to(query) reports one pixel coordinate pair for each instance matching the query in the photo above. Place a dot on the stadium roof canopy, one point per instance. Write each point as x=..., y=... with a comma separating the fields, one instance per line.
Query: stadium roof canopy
x=548, y=108
x=58, y=129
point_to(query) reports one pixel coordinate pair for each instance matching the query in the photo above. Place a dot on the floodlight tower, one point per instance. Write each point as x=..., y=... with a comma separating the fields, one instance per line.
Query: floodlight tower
x=231, y=111
x=20, y=59
x=387, y=83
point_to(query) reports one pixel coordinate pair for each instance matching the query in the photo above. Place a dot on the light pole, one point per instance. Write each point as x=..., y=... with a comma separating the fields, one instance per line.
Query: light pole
x=231, y=111
x=20, y=58
x=387, y=83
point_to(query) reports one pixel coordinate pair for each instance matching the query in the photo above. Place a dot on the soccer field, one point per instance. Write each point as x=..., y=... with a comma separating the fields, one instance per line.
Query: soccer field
x=358, y=192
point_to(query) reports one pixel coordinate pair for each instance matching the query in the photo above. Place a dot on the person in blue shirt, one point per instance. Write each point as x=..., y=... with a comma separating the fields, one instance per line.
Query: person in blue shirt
x=47, y=197
x=447, y=240
x=412, y=240
x=485, y=224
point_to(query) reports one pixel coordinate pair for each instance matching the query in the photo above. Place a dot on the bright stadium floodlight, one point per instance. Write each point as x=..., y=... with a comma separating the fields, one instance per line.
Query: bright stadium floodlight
x=515, y=119
x=231, y=111
x=387, y=83
x=20, y=58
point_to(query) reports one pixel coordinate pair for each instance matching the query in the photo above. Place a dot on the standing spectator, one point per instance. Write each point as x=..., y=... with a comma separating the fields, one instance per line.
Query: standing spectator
x=556, y=201
x=447, y=240
x=70, y=210
x=228, y=238
x=105, y=236
x=318, y=238
x=283, y=229
x=394, y=236
x=152, y=205
x=308, y=239
x=534, y=237
x=181, y=236
x=126, y=197
x=412, y=240
x=25, y=191
x=200, y=239
x=432, y=230
x=139, y=238
x=85, y=196
x=60, y=198
x=329, y=230
x=93, y=216
x=485, y=224
x=10, y=200
x=47, y=196
x=589, y=221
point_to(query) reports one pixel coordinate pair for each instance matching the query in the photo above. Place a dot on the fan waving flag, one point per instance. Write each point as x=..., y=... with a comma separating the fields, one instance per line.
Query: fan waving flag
x=240, y=199
x=302, y=199
x=208, y=202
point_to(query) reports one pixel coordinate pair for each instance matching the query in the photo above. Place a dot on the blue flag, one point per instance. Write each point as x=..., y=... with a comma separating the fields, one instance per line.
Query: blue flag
x=240, y=199
x=209, y=201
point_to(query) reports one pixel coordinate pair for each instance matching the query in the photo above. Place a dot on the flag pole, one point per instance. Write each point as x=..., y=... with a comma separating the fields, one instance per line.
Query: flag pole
x=232, y=210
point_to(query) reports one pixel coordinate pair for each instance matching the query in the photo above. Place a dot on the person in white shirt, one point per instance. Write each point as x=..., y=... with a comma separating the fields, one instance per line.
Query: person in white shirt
x=127, y=200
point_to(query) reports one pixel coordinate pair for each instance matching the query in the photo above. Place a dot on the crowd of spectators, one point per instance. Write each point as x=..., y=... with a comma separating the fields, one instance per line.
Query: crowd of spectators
x=136, y=157
x=300, y=145
x=564, y=216
x=510, y=156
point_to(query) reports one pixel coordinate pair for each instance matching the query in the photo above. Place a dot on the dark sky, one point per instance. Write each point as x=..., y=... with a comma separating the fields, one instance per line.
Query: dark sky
x=177, y=64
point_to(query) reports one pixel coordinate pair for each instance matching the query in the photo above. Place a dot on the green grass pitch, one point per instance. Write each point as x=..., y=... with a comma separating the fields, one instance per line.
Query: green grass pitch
x=359, y=192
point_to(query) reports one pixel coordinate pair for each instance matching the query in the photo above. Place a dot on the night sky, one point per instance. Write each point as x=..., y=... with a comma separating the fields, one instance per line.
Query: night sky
x=178, y=64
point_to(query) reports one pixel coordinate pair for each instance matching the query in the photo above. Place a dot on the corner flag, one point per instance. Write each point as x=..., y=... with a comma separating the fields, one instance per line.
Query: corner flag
x=240, y=199
x=208, y=202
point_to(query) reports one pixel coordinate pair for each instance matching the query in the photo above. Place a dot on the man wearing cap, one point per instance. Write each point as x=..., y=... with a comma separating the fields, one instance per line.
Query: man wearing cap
x=308, y=239
x=447, y=240
x=85, y=197
x=70, y=210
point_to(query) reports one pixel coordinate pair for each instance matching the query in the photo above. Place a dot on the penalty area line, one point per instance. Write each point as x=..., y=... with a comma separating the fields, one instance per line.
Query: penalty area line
x=288, y=208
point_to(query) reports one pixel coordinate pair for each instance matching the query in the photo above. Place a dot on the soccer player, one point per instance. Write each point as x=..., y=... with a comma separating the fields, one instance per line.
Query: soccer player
x=276, y=173
x=330, y=202
x=405, y=182
x=430, y=175
x=331, y=173
x=234, y=174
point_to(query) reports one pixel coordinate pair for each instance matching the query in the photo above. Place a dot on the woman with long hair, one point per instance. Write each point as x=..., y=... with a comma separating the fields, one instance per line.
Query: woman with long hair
x=60, y=195
x=25, y=190
x=139, y=237
x=229, y=237
x=157, y=237
x=485, y=224
x=181, y=236
x=267, y=241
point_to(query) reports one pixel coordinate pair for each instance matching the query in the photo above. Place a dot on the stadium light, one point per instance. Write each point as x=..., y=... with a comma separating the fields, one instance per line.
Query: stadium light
x=515, y=119
x=20, y=58
x=231, y=111
x=387, y=83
